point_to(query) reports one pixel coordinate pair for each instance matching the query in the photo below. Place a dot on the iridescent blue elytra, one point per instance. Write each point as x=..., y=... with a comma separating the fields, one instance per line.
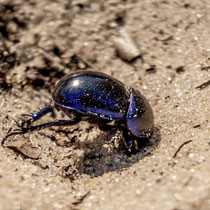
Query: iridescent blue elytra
x=98, y=98
x=92, y=93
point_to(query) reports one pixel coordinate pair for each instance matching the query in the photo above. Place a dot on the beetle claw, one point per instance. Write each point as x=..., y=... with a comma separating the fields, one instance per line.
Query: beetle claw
x=10, y=134
x=20, y=130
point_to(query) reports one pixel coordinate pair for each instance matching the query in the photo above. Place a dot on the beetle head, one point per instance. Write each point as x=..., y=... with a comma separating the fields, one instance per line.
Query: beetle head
x=139, y=117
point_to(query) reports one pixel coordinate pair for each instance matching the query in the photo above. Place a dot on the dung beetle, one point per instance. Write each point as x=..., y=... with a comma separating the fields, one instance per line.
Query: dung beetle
x=100, y=99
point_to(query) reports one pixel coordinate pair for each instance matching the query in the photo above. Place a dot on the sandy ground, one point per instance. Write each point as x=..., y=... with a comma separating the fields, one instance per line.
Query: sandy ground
x=74, y=167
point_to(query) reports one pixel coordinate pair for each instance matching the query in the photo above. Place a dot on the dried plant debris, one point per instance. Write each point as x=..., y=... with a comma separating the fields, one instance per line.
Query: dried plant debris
x=197, y=126
x=10, y=22
x=82, y=59
x=23, y=146
x=205, y=68
x=42, y=73
x=87, y=56
x=80, y=198
x=180, y=69
x=180, y=147
x=203, y=85
x=166, y=40
x=7, y=62
x=3, y=83
x=151, y=69
x=125, y=46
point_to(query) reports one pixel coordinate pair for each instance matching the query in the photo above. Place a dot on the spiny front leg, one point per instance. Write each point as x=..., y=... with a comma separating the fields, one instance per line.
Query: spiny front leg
x=122, y=134
x=50, y=124
x=118, y=136
x=35, y=116
x=24, y=130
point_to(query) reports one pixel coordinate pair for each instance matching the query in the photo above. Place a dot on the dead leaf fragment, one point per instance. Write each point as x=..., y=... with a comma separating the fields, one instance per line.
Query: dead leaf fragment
x=24, y=146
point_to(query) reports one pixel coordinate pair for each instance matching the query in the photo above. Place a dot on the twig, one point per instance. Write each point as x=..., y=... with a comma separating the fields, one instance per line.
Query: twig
x=86, y=61
x=204, y=85
x=79, y=201
x=205, y=68
x=180, y=147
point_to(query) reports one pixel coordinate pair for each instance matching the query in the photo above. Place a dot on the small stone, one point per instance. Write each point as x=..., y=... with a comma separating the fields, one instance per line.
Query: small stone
x=125, y=46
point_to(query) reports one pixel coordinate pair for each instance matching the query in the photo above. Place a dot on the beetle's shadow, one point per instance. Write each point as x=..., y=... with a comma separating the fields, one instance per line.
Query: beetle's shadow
x=99, y=159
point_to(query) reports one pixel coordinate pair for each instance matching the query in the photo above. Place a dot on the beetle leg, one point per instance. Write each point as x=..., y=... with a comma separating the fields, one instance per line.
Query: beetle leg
x=128, y=141
x=121, y=134
x=50, y=124
x=34, y=117
x=106, y=127
x=118, y=136
x=24, y=130
x=130, y=146
x=28, y=115
x=37, y=115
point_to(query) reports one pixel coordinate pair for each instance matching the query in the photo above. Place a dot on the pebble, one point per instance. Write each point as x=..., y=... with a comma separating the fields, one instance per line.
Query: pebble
x=125, y=45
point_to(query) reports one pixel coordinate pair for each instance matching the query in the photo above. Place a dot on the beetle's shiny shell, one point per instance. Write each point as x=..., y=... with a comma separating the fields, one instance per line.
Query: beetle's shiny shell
x=92, y=93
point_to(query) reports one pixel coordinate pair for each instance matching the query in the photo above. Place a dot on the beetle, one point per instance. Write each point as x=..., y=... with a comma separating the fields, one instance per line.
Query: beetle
x=100, y=99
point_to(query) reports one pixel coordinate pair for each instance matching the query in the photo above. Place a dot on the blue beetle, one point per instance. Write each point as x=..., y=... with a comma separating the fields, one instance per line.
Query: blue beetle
x=100, y=99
